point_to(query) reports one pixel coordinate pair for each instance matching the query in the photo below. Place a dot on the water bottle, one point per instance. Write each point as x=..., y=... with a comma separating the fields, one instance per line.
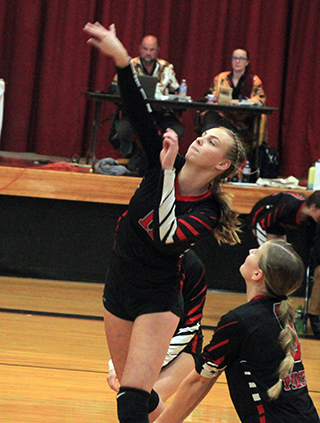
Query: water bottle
x=311, y=173
x=246, y=172
x=183, y=91
x=316, y=181
x=298, y=320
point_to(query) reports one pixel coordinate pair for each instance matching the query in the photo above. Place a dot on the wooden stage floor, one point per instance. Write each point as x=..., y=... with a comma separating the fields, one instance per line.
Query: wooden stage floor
x=32, y=175
x=54, y=355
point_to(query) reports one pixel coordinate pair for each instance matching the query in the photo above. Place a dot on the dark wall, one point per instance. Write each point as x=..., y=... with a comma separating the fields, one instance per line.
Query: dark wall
x=222, y=262
x=56, y=239
x=72, y=240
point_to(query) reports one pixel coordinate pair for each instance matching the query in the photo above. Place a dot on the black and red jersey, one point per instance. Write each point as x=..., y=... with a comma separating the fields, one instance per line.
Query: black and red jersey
x=159, y=225
x=278, y=212
x=188, y=336
x=246, y=345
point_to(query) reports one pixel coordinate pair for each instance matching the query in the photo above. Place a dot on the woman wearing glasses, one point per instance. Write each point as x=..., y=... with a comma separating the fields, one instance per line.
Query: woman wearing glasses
x=246, y=87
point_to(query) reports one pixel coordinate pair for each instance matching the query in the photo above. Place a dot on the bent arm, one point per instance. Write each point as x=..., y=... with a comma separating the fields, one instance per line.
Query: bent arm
x=172, y=229
x=214, y=87
x=140, y=114
x=257, y=95
x=168, y=81
x=133, y=96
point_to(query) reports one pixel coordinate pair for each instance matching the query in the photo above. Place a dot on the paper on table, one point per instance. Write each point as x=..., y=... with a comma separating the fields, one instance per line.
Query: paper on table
x=290, y=182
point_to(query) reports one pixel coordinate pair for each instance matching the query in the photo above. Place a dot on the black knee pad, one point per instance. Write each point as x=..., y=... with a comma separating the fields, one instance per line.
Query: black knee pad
x=153, y=401
x=132, y=405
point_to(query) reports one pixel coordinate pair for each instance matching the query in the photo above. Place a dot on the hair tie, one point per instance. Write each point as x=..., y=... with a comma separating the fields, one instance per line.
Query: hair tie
x=282, y=298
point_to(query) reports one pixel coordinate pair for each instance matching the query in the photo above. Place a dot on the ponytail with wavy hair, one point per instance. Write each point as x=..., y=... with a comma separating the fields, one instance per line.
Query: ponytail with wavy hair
x=228, y=225
x=283, y=272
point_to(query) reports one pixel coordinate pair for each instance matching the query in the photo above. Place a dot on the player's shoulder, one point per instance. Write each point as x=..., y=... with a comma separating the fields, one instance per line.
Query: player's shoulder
x=294, y=195
x=164, y=63
x=247, y=310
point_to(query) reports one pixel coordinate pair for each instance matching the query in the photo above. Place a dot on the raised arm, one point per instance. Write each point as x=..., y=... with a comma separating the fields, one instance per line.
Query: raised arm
x=134, y=99
x=107, y=42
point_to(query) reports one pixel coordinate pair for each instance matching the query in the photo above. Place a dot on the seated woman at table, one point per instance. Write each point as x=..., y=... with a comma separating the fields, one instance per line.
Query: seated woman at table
x=245, y=86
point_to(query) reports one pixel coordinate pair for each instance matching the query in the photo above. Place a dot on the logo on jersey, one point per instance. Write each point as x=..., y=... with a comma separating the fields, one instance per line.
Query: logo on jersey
x=295, y=380
x=146, y=223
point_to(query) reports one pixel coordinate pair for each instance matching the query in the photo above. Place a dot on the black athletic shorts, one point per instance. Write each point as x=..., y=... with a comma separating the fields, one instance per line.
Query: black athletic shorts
x=128, y=304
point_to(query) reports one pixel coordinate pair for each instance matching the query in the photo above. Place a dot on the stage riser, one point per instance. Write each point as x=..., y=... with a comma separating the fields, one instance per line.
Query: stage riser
x=72, y=240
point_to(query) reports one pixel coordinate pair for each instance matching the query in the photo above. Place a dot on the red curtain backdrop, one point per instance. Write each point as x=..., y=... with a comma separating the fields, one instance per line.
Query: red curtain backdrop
x=47, y=64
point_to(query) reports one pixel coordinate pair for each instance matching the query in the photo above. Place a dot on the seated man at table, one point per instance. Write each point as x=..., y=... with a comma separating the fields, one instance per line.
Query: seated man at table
x=148, y=63
x=246, y=86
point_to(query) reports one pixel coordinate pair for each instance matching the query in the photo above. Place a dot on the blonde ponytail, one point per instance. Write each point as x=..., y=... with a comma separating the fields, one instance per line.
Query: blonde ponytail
x=283, y=272
x=288, y=343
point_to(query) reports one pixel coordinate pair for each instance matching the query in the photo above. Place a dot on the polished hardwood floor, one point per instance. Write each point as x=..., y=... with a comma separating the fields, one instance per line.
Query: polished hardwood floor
x=54, y=355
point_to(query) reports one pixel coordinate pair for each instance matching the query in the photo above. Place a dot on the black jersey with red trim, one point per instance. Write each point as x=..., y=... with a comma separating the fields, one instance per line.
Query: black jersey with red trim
x=246, y=345
x=278, y=212
x=194, y=289
x=188, y=336
x=159, y=225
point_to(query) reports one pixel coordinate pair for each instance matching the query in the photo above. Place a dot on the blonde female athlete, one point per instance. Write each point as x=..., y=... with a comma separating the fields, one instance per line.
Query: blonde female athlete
x=177, y=203
x=257, y=346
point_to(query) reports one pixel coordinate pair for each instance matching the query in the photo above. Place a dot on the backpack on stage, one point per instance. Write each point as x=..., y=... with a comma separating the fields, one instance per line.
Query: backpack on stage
x=268, y=161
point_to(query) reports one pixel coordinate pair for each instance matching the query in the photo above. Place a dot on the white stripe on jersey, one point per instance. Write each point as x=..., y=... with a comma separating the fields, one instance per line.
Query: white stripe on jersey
x=210, y=370
x=261, y=234
x=256, y=397
x=179, y=341
x=167, y=219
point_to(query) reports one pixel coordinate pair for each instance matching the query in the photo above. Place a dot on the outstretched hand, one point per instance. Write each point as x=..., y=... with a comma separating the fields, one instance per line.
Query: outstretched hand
x=107, y=42
x=170, y=148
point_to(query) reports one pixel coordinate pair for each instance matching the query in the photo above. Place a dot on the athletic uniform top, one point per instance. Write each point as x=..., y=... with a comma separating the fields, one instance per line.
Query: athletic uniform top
x=188, y=336
x=278, y=212
x=160, y=224
x=246, y=345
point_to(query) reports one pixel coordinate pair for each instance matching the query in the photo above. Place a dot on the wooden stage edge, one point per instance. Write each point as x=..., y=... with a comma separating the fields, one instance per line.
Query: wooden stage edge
x=92, y=187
